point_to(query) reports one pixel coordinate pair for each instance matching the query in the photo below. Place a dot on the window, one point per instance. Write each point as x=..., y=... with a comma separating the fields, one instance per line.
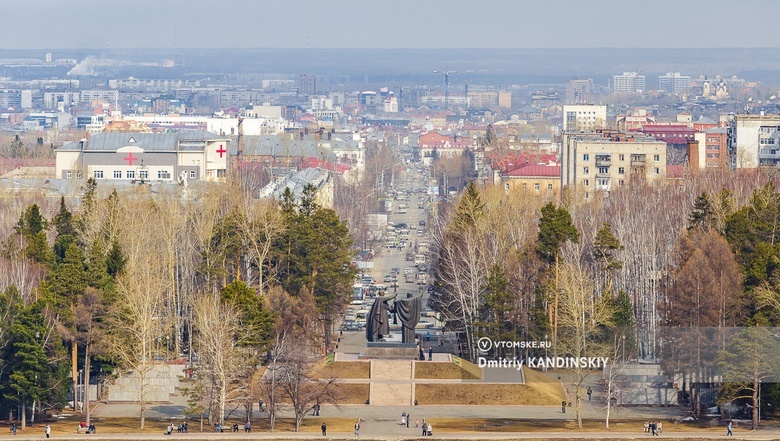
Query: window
x=621, y=170
x=603, y=169
x=620, y=183
x=506, y=186
x=656, y=158
x=549, y=186
x=68, y=174
x=117, y=174
x=98, y=174
x=143, y=174
x=192, y=174
x=78, y=174
x=163, y=174
x=656, y=171
x=586, y=182
x=586, y=170
x=524, y=186
x=536, y=186
x=586, y=157
x=622, y=157
x=131, y=174
x=586, y=195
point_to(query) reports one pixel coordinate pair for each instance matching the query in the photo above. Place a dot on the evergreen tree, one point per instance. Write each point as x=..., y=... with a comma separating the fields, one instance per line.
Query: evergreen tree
x=257, y=321
x=32, y=227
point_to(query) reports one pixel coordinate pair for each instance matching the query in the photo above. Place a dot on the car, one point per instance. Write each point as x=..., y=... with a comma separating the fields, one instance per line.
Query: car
x=387, y=278
x=395, y=270
x=409, y=270
x=421, y=223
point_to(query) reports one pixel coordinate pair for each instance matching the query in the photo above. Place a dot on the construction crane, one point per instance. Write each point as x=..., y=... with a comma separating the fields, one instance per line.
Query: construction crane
x=446, y=86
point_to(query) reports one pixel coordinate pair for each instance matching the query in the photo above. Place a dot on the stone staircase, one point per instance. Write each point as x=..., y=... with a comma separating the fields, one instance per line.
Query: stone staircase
x=391, y=383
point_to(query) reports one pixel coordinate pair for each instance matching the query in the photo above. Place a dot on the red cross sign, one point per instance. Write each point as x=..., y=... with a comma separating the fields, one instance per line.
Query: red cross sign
x=221, y=150
x=130, y=158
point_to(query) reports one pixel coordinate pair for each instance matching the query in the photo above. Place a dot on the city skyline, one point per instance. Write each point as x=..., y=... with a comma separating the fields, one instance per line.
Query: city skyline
x=346, y=24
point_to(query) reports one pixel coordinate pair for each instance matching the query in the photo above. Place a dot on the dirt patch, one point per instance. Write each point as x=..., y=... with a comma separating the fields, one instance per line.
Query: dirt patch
x=484, y=394
x=467, y=425
x=442, y=371
x=343, y=370
x=351, y=393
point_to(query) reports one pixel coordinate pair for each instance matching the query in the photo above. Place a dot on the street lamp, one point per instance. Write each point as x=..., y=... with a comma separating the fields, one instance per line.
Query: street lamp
x=623, y=338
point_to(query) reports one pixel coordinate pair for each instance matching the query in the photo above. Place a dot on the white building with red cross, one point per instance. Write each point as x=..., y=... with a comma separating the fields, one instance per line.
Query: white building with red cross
x=195, y=155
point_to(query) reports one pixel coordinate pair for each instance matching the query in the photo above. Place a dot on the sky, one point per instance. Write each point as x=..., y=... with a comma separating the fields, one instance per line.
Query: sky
x=102, y=24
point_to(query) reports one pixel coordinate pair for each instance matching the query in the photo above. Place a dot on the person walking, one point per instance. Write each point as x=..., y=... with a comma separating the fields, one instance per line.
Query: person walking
x=357, y=427
x=424, y=428
x=324, y=429
x=430, y=354
x=729, y=430
x=408, y=418
x=47, y=431
x=13, y=428
x=659, y=428
x=590, y=392
x=563, y=407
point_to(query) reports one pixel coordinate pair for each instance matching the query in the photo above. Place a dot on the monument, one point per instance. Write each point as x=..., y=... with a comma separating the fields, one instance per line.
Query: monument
x=381, y=343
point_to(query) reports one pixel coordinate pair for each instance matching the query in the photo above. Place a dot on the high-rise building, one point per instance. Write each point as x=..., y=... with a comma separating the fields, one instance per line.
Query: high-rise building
x=754, y=140
x=629, y=82
x=584, y=118
x=674, y=83
x=307, y=84
x=579, y=91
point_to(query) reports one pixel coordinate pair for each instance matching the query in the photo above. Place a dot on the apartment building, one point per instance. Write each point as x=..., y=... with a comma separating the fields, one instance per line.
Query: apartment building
x=754, y=140
x=579, y=91
x=603, y=161
x=629, y=82
x=675, y=83
x=584, y=118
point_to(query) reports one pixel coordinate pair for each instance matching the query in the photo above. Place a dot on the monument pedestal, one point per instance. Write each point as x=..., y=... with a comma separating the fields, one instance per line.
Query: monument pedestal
x=391, y=350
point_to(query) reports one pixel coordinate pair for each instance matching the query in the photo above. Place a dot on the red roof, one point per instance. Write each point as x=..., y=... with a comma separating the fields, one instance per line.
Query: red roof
x=546, y=171
x=511, y=160
x=312, y=162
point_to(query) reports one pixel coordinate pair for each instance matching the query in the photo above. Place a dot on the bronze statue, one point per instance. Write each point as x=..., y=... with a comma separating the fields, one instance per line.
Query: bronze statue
x=407, y=310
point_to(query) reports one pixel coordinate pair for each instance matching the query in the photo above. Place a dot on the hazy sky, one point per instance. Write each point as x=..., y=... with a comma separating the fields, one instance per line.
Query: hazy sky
x=387, y=24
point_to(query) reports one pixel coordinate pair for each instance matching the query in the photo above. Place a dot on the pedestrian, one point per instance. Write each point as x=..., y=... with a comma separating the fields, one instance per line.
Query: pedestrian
x=441, y=341
x=428, y=336
x=408, y=417
x=47, y=431
x=430, y=354
x=169, y=430
x=13, y=428
x=563, y=407
x=403, y=419
x=416, y=424
x=422, y=354
x=653, y=428
x=729, y=430
x=646, y=427
x=235, y=427
x=357, y=427
x=430, y=429
x=247, y=427
x=324, y=429
x=659, y=428
x=424, y=428
x=590, y=392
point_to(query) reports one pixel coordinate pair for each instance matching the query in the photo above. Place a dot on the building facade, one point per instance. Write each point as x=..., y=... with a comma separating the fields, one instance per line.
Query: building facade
x=754, y=140
x=584, y=118
x=579, y=91
x=629, y=82
x=145, y=157
x=674, y=83
x=603, y=161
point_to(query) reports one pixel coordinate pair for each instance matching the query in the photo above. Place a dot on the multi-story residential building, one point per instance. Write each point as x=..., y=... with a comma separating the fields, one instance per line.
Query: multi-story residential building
x=629, y=82
x=584, y=118
x=490, y=99
x=307, y=84
x=110, y=96
x=52, y=100
x=675, y=83
x=579, y=91
x=709, y=149
x=593, y=162
x=754, y=140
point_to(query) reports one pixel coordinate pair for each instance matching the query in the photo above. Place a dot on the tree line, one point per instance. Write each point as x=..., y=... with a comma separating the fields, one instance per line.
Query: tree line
x=118, y=282
x=612, y=275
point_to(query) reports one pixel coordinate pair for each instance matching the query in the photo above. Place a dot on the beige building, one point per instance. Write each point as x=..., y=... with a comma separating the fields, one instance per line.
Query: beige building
x=603, y=161
x=584, y=118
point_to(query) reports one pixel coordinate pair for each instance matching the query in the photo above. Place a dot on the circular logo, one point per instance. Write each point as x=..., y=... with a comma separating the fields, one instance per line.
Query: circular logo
x=484, y=344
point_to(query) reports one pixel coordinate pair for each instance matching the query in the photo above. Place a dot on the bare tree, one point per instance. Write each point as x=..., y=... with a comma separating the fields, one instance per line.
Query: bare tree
x=581, y=318
x=219, y=334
